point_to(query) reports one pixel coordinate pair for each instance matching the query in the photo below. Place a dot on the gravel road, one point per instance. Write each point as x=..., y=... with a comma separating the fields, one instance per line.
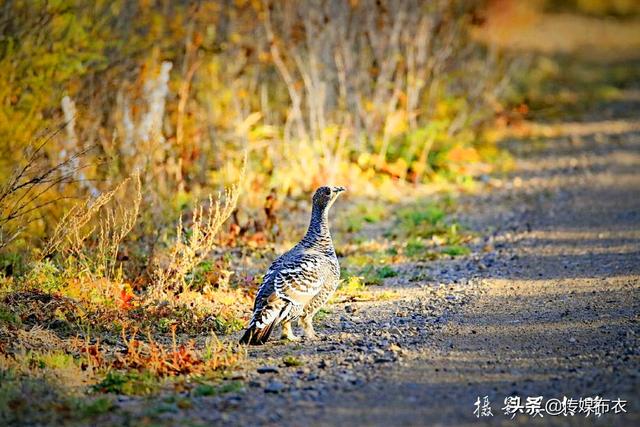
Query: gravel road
x=557, y=310
x=548, y=305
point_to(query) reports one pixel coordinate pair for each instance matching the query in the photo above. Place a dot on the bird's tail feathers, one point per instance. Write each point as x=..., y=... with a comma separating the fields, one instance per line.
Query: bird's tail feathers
x=258, y=331
x=257, y=336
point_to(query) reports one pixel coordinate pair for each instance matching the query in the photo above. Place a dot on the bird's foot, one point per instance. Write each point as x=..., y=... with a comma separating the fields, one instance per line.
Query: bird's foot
x=292, y=338
x=287, y=333
x=309, y=332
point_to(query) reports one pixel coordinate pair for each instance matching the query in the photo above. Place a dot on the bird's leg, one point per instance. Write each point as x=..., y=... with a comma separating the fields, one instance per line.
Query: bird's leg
x=307, y=327
x=287, y=332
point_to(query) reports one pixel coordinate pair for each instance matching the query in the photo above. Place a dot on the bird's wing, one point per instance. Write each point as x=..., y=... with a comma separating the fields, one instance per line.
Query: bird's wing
x=293, y=278
x=298, y=280
x=266, y=293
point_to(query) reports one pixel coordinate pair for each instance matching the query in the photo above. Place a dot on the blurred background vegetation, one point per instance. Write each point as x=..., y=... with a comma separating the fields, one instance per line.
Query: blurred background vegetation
x=370, y=94
x=356, y=92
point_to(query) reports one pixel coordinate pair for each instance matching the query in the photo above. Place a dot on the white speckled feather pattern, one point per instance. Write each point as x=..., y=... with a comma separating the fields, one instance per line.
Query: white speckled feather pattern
x=301, y=280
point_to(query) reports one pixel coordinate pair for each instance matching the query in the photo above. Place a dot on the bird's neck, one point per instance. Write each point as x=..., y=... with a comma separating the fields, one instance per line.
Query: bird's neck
x=318, y=234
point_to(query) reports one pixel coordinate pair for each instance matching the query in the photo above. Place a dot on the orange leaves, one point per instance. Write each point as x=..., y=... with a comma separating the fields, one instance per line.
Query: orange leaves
x=94, y=356
x=126, y=298
x=460, y=154
x=166, y=361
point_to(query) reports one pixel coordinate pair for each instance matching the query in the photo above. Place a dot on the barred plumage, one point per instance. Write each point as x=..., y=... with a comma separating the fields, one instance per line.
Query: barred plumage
x=300, y=281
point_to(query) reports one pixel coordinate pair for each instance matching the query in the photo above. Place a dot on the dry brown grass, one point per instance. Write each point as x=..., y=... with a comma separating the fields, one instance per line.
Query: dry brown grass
x=188, y=251
x=161, y=360
x=114, y=224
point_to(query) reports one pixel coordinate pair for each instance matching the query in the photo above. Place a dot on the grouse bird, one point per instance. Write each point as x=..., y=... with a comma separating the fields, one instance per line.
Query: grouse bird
x=300, y=281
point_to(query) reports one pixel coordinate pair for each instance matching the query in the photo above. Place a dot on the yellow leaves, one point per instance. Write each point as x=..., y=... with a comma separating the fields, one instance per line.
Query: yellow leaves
x=243, y=127
x=396, y=123
x=445, y=108
x=460, y=154
x=397, y=168
x=364, y=159
x=235, y=38
x=260, y=133
x=329, y=134
x=257, y=5
x=116, y=7
x=264, y=57
x=418, y=167
x=369, y=106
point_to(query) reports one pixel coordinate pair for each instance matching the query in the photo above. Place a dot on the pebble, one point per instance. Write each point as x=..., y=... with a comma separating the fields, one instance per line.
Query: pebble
x=268, y=370
x=346, y=325
x=238, y=375
x=324, y=364
x=348, y=377
x=274, y=387
x=395, y=331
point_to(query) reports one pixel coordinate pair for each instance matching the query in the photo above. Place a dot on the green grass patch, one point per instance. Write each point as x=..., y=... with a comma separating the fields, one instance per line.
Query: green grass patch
x=353, y=284
x=216, y=390
x=386, y=272
x=128, y=383
x=359, y=260
x=228, y=325
x=455, y=250
x=420, y=221
x=364, y=213
x=92, y=408
x=427, y=227
x=292, y=361
x=322, y=314
x=355, y=288
x=415, y=247
x=8, y=317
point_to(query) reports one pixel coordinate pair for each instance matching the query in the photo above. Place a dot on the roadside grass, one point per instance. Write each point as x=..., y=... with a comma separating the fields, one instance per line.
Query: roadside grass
x=291, y=360
x=39, y=401
x=71, y=379
x=42, y=387
x=366, y=212
x=216, y=390
x=322, y=314
x=354, y=288
x=428, y=231
x=419, y=231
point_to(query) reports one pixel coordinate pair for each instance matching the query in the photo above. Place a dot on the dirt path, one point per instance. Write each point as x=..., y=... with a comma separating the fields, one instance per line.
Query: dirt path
x=549, y=308
x=547, y=305
x=558, y=310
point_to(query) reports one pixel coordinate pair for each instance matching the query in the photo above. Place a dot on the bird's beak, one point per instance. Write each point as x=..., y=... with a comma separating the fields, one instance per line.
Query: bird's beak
x=339, y=190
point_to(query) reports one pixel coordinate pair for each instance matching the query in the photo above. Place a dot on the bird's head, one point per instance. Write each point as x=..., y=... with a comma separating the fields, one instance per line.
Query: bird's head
x=325, y=196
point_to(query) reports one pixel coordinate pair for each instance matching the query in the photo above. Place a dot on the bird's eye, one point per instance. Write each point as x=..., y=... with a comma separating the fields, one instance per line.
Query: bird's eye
x=327, y=191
